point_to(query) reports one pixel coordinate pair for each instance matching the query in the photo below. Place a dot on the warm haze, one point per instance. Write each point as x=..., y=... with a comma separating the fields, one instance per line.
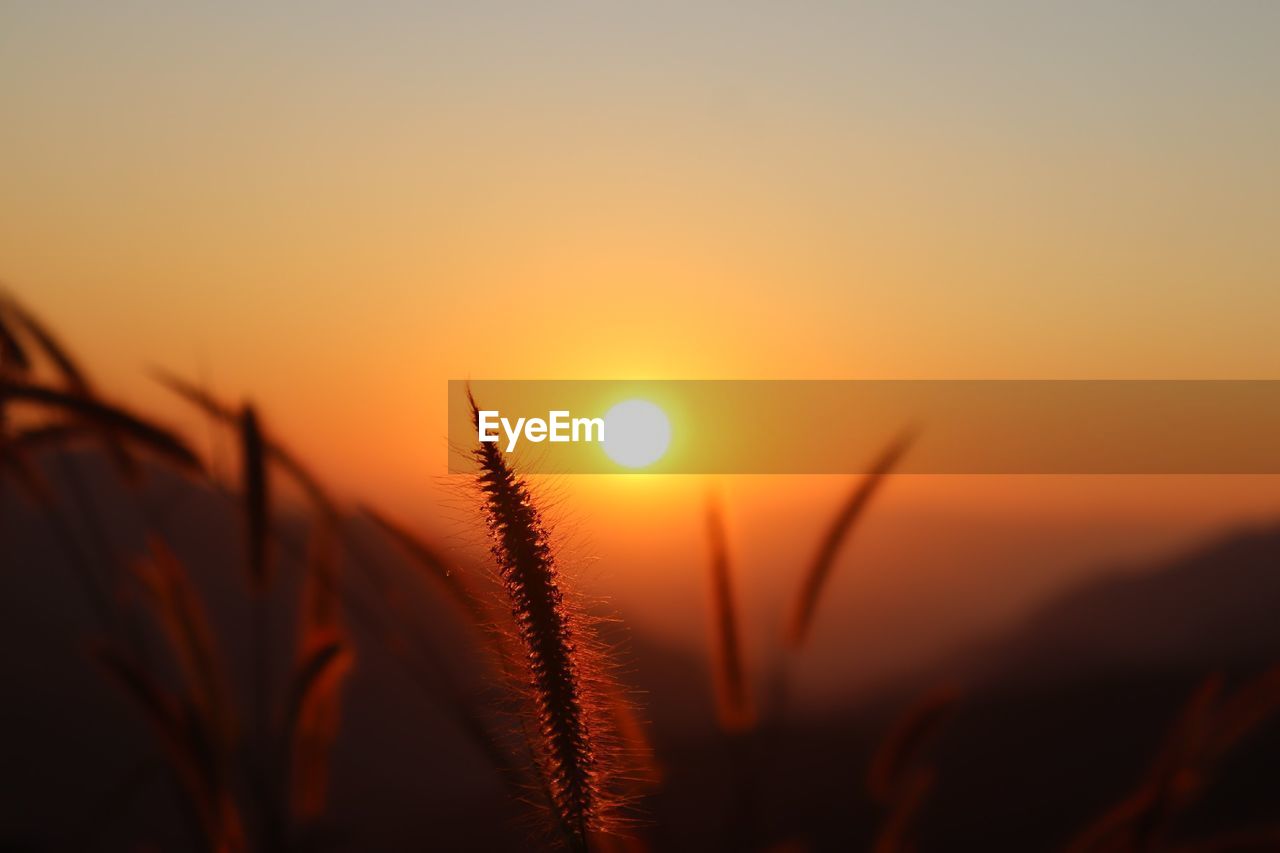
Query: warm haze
x=324, y=211
x=334, y=209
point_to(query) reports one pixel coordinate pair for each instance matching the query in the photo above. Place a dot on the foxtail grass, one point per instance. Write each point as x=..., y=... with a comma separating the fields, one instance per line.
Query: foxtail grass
x=566, y=744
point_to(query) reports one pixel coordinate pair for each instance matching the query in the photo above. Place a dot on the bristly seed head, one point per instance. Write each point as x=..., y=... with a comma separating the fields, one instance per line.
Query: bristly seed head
x=545, y=626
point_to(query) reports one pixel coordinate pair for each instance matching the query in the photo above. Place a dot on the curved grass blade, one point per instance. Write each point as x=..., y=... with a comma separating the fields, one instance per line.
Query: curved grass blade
x=75, y=379
x=191, y=756
x=180, y=613
x=733, y=695
x=48, y=343
x=311, y=722
x=894, y=758
x=218, y=410
x=13, y=357
x=455, y=585
x=114, y=419
x=841, y=527
x=254, y=485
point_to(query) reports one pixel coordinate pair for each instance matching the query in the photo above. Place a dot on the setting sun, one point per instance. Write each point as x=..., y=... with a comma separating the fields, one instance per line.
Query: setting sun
x=636, y=433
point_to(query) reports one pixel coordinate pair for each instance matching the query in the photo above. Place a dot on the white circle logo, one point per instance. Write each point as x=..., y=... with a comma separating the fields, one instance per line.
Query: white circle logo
x=636, y=433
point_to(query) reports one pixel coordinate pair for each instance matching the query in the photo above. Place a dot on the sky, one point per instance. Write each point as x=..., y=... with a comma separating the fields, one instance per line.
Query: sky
x=332, y=209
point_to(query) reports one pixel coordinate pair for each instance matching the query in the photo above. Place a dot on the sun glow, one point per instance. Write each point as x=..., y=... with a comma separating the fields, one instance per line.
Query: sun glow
x=636, y=433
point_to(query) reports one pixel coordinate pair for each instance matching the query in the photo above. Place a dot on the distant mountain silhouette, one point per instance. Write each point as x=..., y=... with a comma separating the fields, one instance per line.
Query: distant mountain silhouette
x=1068, y=711
x=1213, y=608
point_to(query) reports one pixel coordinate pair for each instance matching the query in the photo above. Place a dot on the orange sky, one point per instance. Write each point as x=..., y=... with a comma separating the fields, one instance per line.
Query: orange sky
x=335, y=213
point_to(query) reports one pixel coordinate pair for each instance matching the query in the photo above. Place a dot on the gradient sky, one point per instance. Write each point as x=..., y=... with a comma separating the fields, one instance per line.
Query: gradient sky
x=333, y=208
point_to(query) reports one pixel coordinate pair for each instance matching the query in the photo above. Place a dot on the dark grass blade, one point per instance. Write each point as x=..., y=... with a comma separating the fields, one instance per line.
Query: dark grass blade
x=1136, y=821
x=899, y=753
x=1244, y=712
x=254, y=487
x=318, y=715
x=425, y=676
x=312, y=720
x=29, y=478
x=111, y=418
x=1191, y=730
x=454, y=584
x=842, y=526
x=195, y=395
x=320, y=600
x=894, y=835
x=51, y=434
x=320, y=610
x=316, y=665
x=178, y=611
x=162, y=710
x=220, y=411
x=76, y=380
x=13, y=357
x=733, y=695
x=48, y=343
x=643, y=769
x=191, y=756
